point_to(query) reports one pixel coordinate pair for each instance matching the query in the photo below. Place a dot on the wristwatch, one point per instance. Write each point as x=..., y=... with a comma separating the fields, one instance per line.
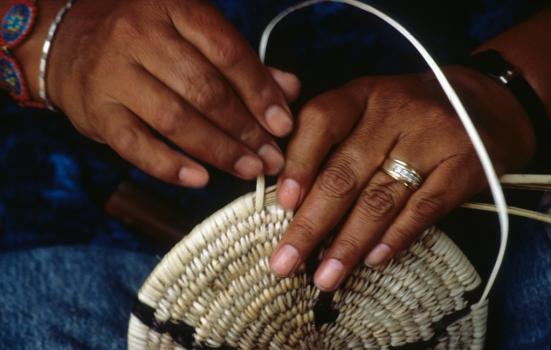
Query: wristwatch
x=492, y=64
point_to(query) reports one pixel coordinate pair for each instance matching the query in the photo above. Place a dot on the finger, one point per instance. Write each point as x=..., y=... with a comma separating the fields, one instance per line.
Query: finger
x=173, y=118
x=382, y=200
x=374, y=210
x=322, y=123
x=187, y=72
x=288, y=82
x=208, y=30
x=131, y=139
x=452, y=183
x=331, y=196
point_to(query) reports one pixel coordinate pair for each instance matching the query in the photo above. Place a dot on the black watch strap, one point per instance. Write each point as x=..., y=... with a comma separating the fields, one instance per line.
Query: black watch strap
x=493, y=65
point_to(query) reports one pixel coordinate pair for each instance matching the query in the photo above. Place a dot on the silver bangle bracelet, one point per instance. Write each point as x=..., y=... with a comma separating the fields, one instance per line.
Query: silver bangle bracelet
x=44, y=57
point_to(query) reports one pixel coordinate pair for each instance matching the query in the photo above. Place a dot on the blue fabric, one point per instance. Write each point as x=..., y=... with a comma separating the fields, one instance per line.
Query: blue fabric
x=75, y=297
x=69, y=272
x=521, y=302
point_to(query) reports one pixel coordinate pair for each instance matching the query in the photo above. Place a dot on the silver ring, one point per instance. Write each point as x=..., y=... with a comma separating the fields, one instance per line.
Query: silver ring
x=403, y=173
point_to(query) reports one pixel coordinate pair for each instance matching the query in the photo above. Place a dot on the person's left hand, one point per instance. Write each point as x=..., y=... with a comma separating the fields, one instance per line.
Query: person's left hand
x=355, y=129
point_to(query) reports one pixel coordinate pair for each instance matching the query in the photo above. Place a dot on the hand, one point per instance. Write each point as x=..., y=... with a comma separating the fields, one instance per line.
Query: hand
x=369, y=120
x=125, y=70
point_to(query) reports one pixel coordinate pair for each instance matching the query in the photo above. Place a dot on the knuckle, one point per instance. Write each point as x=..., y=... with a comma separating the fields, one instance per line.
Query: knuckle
x=124, y=141
x=363, y=85
x=347, y=247
x=315, y=114
x=212, y=94
x=122, y=24
x=398, y=238
x=219, y=154
x=427, y=207
x=223, y=154
x=390, y=98
x=436, y=111
x=304, y=228
x=89, y=131
x=168, y=120
x=253, y=136
x=385, y=89
x=377, y=201
x=338, y=180
x=299, y=169
x=228, y=53
x=164, y=170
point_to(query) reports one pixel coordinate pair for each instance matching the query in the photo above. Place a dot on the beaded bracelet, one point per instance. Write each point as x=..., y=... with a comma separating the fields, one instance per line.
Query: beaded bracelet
x=18, y=19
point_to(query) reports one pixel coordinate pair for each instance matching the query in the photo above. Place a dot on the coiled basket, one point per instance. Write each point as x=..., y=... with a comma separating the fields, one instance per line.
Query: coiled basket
x=214, y=289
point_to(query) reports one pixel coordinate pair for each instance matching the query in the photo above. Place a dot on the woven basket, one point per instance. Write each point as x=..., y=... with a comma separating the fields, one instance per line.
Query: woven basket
x=215, y=289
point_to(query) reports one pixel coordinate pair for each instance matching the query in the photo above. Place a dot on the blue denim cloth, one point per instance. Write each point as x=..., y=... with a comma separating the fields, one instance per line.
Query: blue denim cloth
x=69, y=297
x=521, y=305
x=521, y=301
x=69, y=273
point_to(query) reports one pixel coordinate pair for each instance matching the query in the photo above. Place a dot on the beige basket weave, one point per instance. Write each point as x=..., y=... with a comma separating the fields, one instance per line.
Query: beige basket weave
x=215, y=289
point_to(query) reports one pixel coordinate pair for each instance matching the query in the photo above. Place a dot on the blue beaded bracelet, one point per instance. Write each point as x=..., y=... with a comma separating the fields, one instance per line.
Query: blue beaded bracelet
x=17, y=22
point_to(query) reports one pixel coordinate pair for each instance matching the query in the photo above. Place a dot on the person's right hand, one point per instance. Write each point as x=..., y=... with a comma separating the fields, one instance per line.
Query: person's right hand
x=126, y=70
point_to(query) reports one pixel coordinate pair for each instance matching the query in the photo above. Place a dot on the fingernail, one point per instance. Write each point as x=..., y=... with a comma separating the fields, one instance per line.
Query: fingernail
x=285, y=261
x=248, y=167
x=379, y=255
x=193, y=177
x=272, y=158
x=289, y=194
x=329, y=275
x=279, y=121
x=288, y=82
